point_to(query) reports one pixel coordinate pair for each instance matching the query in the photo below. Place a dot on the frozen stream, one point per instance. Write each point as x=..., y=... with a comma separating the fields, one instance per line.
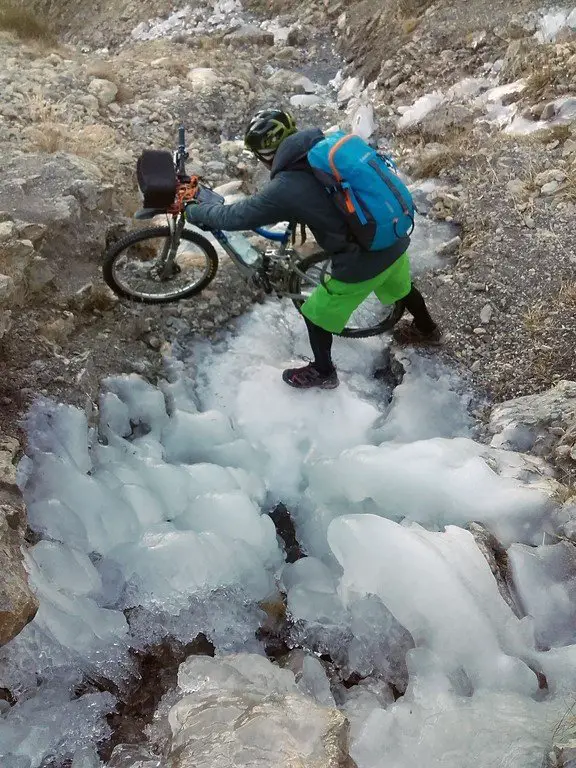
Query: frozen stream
x=162, y=508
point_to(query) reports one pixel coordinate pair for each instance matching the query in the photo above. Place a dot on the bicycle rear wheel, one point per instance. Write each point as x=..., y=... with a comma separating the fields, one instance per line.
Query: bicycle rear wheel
x=131, y=266
x=370, y=319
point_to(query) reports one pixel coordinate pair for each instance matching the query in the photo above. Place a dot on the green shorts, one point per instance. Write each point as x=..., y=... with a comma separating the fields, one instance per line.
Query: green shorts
x=331, y=305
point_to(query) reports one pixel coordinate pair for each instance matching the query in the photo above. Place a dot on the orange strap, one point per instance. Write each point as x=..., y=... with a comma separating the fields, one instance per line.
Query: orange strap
x=349, y=204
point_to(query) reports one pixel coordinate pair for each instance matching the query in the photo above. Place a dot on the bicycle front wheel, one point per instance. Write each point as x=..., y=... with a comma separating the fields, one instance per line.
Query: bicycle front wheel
x=370, y=319
x=132, y=266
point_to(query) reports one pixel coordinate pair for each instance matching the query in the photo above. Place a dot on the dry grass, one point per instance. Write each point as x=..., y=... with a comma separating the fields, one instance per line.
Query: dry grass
x=567, y=294
x=457, y=144
x=409, y=25
x=538, y=82
x=535, y=319
x=82, y=140
x=18, y=17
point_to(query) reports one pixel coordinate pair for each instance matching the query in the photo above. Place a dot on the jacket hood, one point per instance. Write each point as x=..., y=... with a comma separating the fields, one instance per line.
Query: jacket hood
x=294, y=148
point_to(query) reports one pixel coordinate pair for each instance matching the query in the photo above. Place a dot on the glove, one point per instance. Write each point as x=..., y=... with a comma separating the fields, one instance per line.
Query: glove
x=193, y=215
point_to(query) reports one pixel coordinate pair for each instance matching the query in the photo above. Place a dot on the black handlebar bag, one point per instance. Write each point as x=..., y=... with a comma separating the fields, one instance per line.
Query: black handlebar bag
x=156, y=178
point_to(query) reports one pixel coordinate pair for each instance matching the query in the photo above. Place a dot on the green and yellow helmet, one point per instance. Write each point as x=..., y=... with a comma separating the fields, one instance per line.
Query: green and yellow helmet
x=267, y=130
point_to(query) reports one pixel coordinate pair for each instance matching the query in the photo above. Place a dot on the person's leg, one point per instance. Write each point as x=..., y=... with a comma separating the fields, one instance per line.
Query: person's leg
x=321, y=343
x=325, y=312
x=415, y=304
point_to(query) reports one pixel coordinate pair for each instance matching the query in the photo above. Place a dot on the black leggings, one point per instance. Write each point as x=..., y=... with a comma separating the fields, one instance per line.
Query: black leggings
x=321, y=340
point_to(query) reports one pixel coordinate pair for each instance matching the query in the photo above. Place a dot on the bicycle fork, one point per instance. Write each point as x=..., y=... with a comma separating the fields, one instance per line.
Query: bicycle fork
x=170, y=248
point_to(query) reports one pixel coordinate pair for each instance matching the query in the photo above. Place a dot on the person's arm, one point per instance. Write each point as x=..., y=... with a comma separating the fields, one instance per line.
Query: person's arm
x=267, y=207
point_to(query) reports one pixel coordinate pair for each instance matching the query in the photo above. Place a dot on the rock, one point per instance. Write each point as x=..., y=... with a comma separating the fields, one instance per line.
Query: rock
x=495, y=555
x=350, y=88
x=550, y=188
x=305, y=100
x=5, y=322
x=363, y=122
x=203, y=79
x=8, y=231
x=7, y=289
x=39, y=274
x=486, y=314
x=60, y=329
x=94, y=296
x=18, y=605
x=229, y=188
x=523, y=424
x=264, y=709
x=546, y=177
x=449, y=247
x=9, y=447
x=104, y=90
x=250, y=34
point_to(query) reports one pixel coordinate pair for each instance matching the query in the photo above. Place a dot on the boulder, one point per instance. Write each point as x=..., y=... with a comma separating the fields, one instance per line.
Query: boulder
x=18, y=605
x=62, y=210
x=540, y=423
x=242, y=710
x=250, y=34
x=104, y=90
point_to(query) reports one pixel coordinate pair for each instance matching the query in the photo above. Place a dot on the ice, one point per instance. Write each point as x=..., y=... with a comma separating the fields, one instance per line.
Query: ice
x=64, y=568
x=545, y=579
x=51, y=723
x=168, y=566
x=423, y=106
x=314, y=683
x=434, y=482
x=434, y=727
x=440, y=588
x=202, y=674
x=426, y=404
x=311, y=592
x=363, y=121
x=232, y=514
x=551, y=23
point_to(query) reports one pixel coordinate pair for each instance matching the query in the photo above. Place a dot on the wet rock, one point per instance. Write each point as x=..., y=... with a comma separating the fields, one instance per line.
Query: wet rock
x=283, y=727
x=497, y=559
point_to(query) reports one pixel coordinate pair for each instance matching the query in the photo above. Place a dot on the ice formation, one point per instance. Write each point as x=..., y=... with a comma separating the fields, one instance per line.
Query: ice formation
x=160, y=509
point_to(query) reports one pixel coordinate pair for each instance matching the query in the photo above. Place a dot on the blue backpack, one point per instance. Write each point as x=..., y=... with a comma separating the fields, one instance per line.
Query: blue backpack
x=365, y=188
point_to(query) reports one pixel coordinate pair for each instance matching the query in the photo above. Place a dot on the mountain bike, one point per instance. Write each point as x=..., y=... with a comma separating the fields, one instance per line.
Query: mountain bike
x=173, y=262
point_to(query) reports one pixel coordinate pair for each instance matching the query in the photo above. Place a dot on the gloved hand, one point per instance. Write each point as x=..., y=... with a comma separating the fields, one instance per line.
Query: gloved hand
x=193, y=215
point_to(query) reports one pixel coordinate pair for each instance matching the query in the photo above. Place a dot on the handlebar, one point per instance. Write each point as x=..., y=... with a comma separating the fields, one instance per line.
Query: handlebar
x=181, y=137
x=181, y=154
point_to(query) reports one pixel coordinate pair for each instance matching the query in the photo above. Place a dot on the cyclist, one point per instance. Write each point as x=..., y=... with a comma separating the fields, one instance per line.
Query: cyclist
x=294, y=194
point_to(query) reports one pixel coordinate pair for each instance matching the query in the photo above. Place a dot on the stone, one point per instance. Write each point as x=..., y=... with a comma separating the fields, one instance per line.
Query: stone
x=250, y=34
x=550, y=188
x=104, y=90
x=203, y=79
x=264, y=708
x=7, y=289
x=553, y=174
x=523, y=424
x=229, y=188
x=305, y=100
x=18, y=605
x=517, y=188
x=517, y=59
x=8, y=231
x=59, y=330
x=449, y=247
x=350, y=88
x=486, y=314
x=495, y=554
x=39, y=274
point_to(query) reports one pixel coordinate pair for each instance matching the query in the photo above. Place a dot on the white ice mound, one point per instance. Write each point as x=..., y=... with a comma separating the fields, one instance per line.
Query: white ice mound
x=433, y=482
x=441, y=589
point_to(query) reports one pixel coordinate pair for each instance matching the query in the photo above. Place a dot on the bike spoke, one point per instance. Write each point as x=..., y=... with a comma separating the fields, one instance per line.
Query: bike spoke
x=140, y=270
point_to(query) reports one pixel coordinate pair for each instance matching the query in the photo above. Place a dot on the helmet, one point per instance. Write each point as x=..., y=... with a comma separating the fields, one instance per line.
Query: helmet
x=267, y=130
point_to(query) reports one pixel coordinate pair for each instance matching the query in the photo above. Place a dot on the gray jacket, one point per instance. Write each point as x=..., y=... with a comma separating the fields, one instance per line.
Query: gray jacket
x=294, y=194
